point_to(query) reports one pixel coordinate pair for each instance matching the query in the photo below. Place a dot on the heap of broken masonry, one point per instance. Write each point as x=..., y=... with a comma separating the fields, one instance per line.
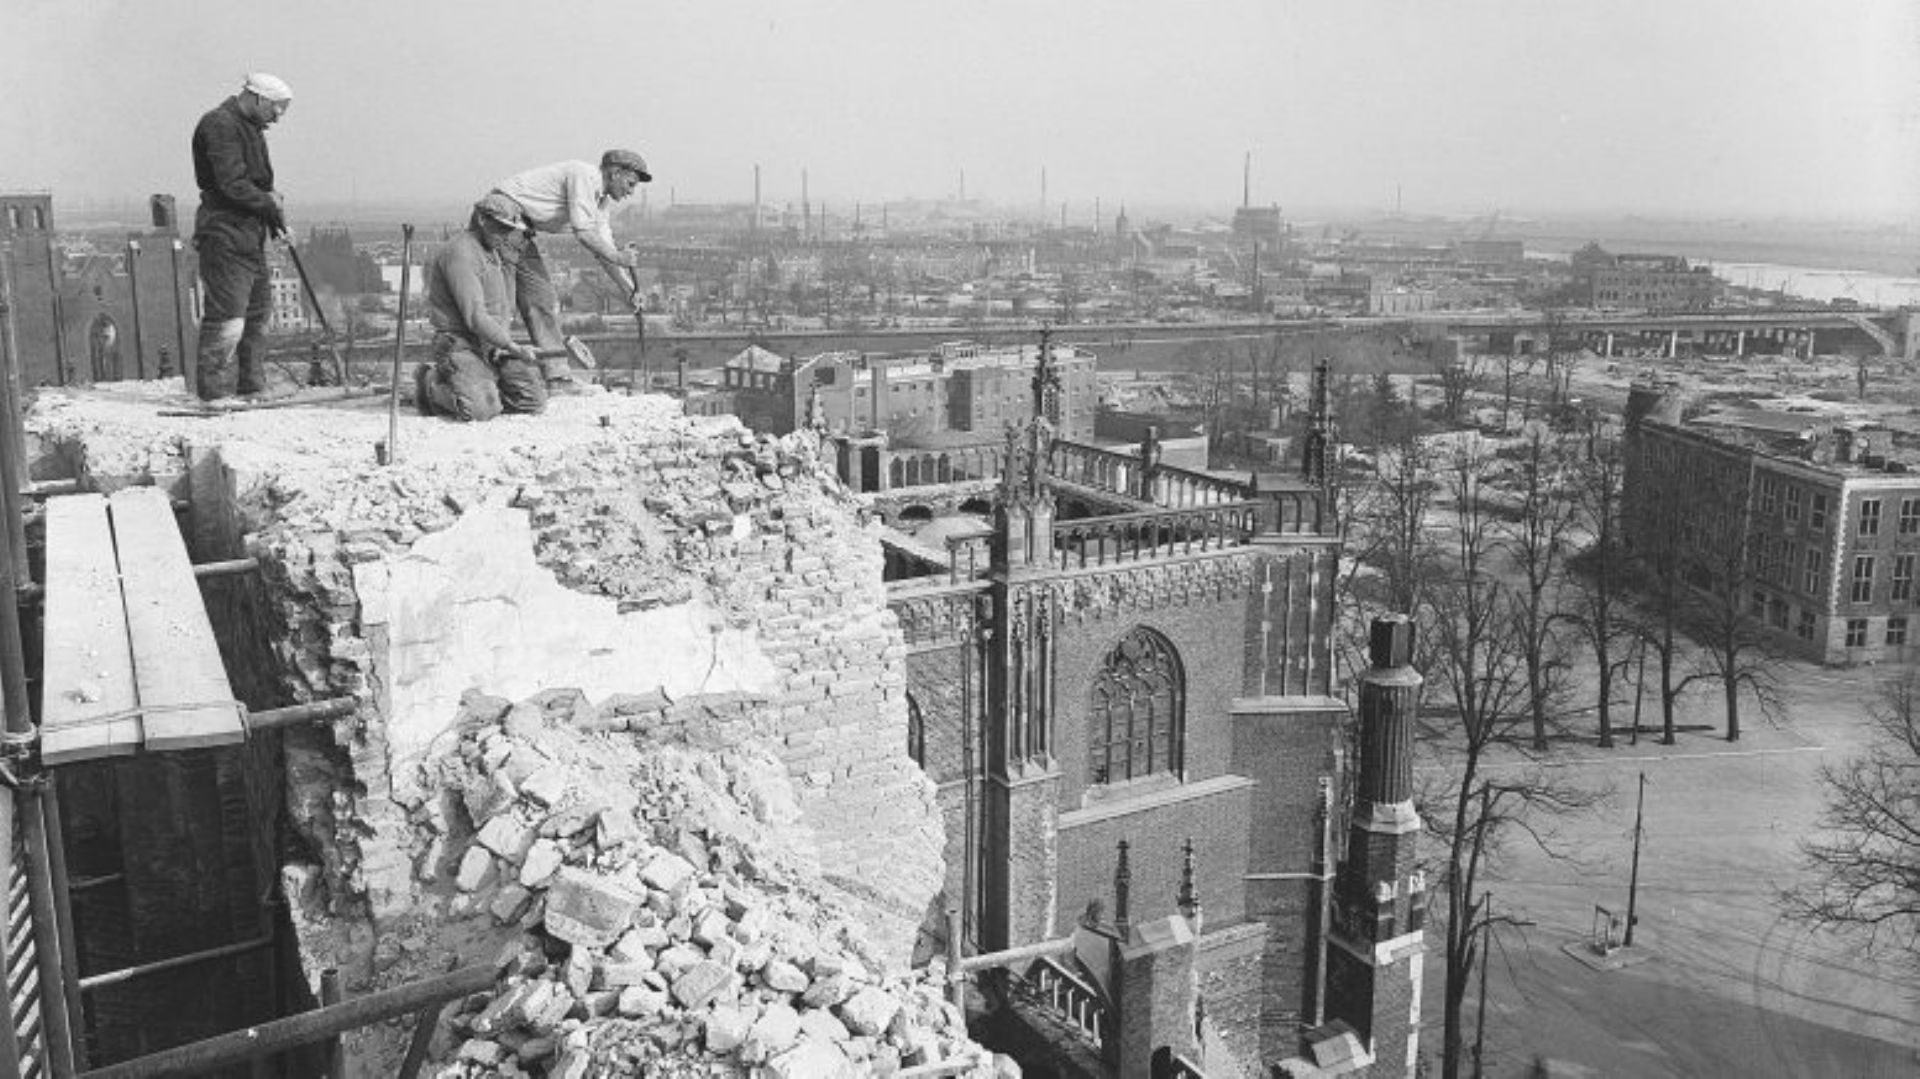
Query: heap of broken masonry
x=631, y=721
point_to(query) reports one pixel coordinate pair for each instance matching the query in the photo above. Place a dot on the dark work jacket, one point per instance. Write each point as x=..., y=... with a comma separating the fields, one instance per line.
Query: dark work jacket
x=235, y=175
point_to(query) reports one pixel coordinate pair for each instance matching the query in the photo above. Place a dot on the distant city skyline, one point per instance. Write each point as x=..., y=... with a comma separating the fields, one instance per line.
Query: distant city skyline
x=1711, y=107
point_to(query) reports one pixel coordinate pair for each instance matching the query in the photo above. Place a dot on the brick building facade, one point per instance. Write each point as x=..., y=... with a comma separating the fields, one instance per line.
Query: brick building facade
x=1826, y=521
x=1119, y=685
x=957, y=387
x=84, y=314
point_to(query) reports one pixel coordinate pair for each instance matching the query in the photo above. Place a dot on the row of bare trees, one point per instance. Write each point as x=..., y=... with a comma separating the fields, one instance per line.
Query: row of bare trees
x=1515, y=563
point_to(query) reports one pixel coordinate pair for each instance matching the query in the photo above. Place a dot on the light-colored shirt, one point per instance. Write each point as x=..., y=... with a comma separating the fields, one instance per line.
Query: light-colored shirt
x=467, y=294
x=562, y=197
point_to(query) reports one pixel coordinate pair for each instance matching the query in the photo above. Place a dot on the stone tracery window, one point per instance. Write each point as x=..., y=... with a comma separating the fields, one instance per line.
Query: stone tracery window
x=1136, y=725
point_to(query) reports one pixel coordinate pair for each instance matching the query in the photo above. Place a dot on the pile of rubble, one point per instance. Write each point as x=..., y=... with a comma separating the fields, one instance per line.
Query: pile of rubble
x=661, y=906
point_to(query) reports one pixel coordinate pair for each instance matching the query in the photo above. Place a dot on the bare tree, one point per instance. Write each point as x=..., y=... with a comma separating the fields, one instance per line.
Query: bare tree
x=1736, y=553
x=1459, y=380
x=1865, y=864
x=1601, y=584
x=1392, y=520
x=1656, y=509
x=1477, y=660
x=1538, y=541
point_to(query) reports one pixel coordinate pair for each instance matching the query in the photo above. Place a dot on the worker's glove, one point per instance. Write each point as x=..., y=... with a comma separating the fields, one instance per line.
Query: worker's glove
x=526, y=353
x=637, y=302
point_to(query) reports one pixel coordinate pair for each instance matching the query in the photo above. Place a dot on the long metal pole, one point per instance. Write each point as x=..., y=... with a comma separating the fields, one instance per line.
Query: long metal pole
x=133, y=291
x=46, y=936
x=63, y=908
x=203, y=1057
x=12, y=454
x=13, y=661
x=179, y=317
x=59, y=318
x=9, y=1043
x=400, y=346
x=1633, y=880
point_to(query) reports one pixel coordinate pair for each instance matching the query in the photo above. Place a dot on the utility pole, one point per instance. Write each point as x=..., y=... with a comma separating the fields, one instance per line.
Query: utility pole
x=1633, y=880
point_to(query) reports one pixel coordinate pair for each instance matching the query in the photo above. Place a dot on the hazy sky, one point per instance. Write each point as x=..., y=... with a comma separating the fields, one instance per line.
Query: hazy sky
x=1802, y=107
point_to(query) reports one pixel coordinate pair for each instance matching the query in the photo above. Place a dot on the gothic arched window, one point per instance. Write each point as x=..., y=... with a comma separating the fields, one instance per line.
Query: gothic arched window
x=1137, y=721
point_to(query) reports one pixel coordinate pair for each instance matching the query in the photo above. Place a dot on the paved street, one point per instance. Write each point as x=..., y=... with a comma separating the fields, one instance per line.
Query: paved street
x=1718, y=984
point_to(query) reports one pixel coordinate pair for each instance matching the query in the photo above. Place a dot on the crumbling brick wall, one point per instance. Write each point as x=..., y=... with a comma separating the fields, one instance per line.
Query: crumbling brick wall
x=719, y=584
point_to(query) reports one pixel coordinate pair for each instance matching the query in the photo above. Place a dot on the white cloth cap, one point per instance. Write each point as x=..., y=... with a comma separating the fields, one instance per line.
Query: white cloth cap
x=268, y=86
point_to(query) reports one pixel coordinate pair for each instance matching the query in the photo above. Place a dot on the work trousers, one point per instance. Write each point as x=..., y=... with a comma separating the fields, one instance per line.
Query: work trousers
x=237, y=302
x=538, y=302
x=467, y=386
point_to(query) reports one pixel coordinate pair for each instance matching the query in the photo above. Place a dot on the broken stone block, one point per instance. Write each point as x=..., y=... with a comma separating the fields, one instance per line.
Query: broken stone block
x=808, y=1060
x=827, y=992
x=868, y=1012
x=672, y=961
x=478, y=1051
x=545, y=1007
x=777, y=1029
x=505, y=836
x=784, y=977
x=632, y=948
x=509, y=903
x=727, y=1027
x=476, y=870
x=710, y=928
x=701, y=983
x=546, y=786
x=544, y=859
x=615, y=828
x=667, y=872
x=638, y=1001
x=587, y=910
x=622, y=975
x=823, y=1026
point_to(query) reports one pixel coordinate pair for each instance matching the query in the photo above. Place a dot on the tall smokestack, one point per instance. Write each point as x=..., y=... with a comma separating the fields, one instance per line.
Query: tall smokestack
x=1043, y=192
x=806, y=209
x=963, y=185
x=1246, y=179
x=756, y=198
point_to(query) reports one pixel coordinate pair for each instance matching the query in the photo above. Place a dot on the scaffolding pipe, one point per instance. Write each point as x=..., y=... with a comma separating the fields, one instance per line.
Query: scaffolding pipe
x=330, y=995
x=332, y=708
x=124, y=974
x=33, y=592
x=63, y=909
x=9, y=1043
x=12, y=453
x=59, y=318
x=133, y=288
x=46, y=940
x=202, y=1057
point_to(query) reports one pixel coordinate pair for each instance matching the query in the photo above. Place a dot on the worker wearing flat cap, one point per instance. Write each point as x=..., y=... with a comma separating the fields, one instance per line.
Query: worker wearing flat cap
x=576, y=197
x=239, y=212
x=478, y=370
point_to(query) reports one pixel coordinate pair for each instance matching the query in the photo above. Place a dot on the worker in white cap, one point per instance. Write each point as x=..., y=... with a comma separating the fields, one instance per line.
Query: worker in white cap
x=572, y=197
x=239, y=211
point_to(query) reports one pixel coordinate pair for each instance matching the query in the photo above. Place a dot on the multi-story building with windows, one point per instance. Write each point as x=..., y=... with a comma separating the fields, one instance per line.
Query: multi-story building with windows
x=1649, y=282
x=910, y=397
x=1821, y=525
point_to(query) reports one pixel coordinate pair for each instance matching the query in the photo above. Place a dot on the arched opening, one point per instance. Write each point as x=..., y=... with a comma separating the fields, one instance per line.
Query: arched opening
x=914, y=516
x=1137, y=720
x=103, y=348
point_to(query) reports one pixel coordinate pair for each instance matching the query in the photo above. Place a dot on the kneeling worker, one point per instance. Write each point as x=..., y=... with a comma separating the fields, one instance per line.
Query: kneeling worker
x=478, y=371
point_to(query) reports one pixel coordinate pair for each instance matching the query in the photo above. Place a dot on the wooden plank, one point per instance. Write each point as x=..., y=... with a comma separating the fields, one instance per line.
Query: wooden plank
x=182, y=682
x=88, y=664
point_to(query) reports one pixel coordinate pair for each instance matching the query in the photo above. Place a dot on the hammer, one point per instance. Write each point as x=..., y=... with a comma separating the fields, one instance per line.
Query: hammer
x=573, y=349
